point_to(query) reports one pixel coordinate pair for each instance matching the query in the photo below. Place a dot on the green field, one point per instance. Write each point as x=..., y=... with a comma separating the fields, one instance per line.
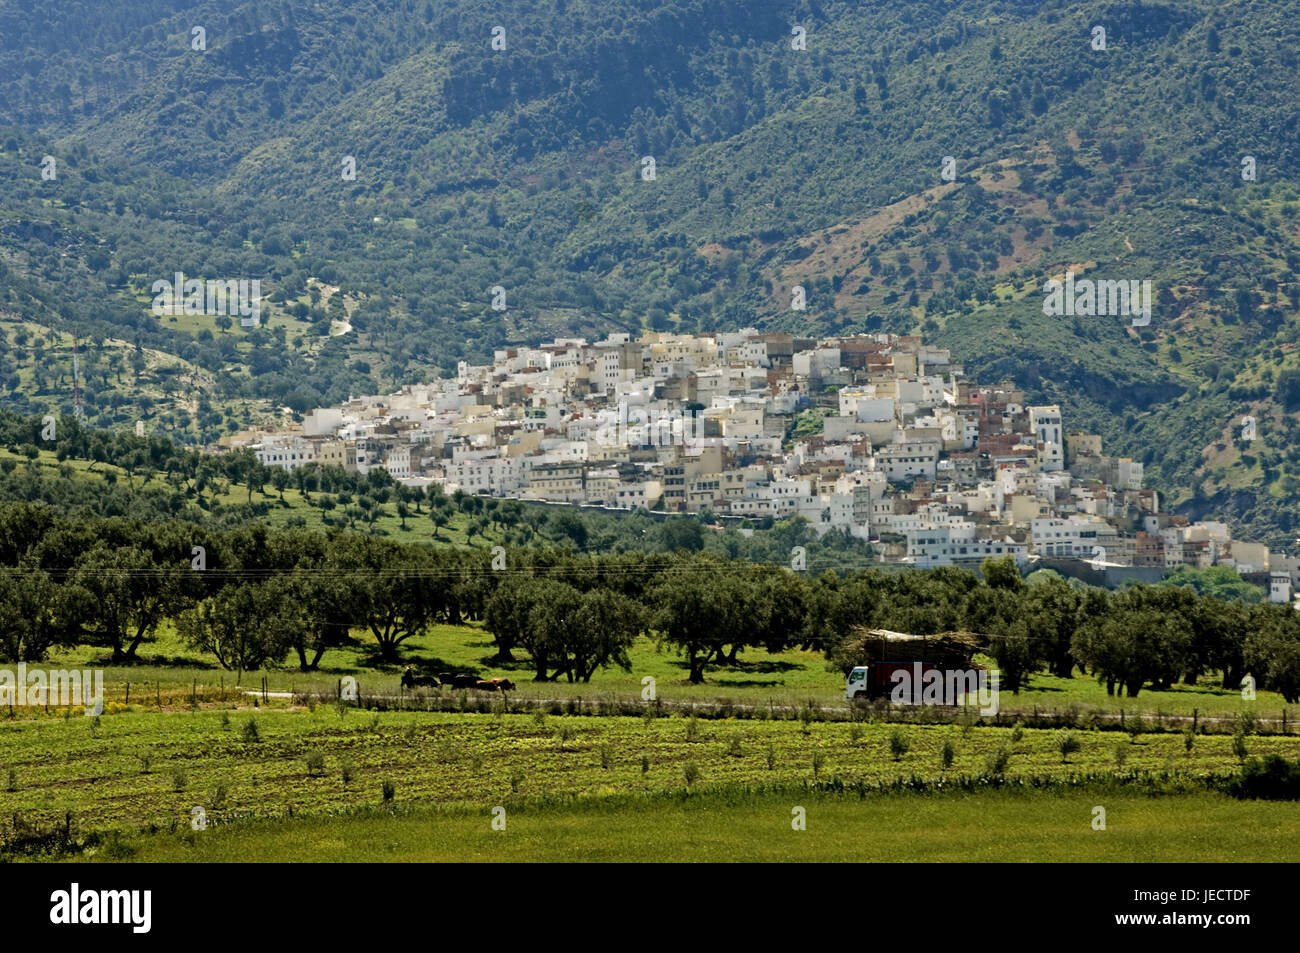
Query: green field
x=139, y=770
x=978, y=827
x=170, y=673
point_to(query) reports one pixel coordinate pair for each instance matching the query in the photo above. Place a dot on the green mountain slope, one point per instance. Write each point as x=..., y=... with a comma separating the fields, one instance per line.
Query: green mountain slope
x=774, y=167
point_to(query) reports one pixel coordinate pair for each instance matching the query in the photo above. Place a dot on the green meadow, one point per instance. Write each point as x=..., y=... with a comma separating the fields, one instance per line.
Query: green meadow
x=170, y=674
x=993, y=826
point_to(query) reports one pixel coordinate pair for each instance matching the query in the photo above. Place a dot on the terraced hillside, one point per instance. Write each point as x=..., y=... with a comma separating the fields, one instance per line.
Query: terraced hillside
x=774, y=166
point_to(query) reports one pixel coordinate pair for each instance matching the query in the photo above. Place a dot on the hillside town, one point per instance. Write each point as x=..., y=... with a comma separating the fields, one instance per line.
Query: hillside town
x=877, y=436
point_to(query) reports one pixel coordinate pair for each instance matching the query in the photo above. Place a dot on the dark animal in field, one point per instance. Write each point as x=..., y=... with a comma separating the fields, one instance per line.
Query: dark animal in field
x=503, y=684
x=485, y=686
x=412, y=680
x=459, y=680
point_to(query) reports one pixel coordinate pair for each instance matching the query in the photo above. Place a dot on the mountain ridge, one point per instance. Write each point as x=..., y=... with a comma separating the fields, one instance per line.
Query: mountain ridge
x=521, y=169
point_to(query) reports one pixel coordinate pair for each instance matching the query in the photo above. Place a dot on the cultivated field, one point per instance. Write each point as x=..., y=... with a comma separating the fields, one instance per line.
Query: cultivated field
x=134, y=771
x=287, y=775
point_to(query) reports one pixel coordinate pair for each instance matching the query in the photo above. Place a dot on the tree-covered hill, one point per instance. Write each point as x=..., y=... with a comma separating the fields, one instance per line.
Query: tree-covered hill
x=774, y=166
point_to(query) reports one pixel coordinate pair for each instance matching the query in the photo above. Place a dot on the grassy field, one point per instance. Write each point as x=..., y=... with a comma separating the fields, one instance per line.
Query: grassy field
x=993, y=826
x=169, y=672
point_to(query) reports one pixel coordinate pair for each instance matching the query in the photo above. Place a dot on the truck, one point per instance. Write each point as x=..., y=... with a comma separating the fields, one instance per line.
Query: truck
x=876, y=679
x=884, y=653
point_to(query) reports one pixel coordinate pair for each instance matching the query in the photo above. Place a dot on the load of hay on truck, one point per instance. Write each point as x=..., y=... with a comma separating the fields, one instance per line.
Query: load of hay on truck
x=878, y=653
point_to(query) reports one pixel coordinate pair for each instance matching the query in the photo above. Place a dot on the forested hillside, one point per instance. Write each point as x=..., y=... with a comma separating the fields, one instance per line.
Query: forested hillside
x=774, y=167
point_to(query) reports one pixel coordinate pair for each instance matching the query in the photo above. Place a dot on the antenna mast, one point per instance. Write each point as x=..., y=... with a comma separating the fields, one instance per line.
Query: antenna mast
x=78, y=411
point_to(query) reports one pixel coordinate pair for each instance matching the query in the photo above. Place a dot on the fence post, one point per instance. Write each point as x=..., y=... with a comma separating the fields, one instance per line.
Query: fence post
x=1196, y=713
x=128, y=693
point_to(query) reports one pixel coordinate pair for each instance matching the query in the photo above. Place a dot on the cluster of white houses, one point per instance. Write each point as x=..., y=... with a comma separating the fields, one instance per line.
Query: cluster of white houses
x=878, y=436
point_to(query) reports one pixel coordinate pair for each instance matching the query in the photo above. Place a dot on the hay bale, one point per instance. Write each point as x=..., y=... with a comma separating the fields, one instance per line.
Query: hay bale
x=945, y=649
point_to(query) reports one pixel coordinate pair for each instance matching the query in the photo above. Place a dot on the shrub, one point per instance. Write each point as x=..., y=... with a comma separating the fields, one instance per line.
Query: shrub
x=1121, y=753
x=1067, y=743
x=315, y=763
x=1189, y=740
x=691, y=772
x=771, y=757
x=692, y=728
x=251, y=733
x=388, y=788
x=1239, y=745
x=606, y=757
x=1246, y=723
x=734, y=747
x=1272, y=779
x=1017, y=731
x=947, y=753
x=115, y=848
x=818, y=762
x=346, y=770
x=806, y=714
x=995, y=764
x=898, y=744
